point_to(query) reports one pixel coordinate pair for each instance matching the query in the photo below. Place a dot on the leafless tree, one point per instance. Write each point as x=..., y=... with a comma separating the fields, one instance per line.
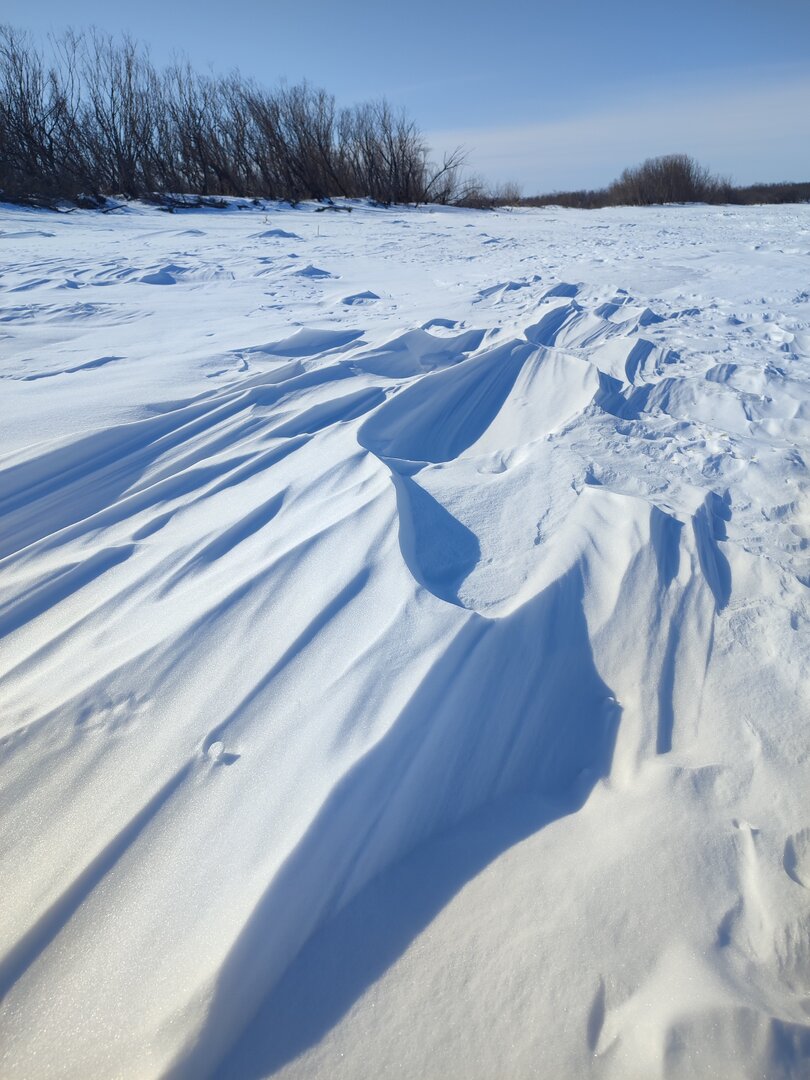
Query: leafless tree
x=101, y=119
x=667, y=179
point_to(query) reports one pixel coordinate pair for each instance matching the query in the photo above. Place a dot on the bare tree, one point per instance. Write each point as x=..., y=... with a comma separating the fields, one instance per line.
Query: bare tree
x=672, y=178
x=100, y=119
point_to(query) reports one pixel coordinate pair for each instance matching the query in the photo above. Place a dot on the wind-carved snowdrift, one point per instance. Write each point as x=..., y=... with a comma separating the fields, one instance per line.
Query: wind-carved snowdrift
x=422, y=689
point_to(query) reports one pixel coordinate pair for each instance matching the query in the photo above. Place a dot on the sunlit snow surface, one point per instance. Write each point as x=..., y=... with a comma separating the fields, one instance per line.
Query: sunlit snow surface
x=404, y=644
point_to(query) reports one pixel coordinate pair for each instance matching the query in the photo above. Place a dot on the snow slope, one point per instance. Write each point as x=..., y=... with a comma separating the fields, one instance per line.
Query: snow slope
x=404, y=628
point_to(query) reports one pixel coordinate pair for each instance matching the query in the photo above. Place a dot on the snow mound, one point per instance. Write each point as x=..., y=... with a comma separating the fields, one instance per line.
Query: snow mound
x=274, y=234
x=364, y=297
x=314, y=272
x=418, y=682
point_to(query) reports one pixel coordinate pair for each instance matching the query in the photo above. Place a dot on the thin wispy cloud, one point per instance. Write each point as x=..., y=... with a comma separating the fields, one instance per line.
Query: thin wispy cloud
x=750, y=133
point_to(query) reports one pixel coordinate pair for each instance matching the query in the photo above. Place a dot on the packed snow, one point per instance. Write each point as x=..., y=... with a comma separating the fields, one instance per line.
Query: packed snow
x=405, y=628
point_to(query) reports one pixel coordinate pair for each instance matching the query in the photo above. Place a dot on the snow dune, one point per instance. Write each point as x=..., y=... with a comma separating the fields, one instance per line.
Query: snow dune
x=403, y=634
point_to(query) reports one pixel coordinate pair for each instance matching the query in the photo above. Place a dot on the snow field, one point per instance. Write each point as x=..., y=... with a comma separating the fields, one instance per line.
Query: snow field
x=404, y=628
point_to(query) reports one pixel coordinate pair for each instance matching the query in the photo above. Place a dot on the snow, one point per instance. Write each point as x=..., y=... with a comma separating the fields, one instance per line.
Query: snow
x=404, y=637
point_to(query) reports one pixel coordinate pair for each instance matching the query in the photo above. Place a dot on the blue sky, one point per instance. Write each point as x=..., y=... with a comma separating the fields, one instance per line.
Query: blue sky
x=552, y=95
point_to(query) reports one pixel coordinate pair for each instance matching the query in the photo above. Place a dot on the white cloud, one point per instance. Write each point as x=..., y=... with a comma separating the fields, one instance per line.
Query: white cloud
x=746, y=132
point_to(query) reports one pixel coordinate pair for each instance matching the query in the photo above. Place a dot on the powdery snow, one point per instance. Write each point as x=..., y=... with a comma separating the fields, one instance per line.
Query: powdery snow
x=404, y=636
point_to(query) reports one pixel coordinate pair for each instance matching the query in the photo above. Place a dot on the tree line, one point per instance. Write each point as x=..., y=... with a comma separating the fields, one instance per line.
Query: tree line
x=98, y=118
x=672, y=178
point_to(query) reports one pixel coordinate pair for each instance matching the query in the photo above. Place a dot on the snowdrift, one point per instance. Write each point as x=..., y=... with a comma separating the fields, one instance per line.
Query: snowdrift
x=403, y=631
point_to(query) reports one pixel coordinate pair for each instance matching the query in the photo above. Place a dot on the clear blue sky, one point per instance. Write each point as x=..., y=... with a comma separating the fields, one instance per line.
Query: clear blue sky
x=553, y=95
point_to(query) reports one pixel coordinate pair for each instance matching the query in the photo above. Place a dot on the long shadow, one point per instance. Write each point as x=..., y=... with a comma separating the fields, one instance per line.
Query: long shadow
x=513, y=708
x=626, y=403
x=59, y=586
x=32, y=944
x=343, y=959
x=76, y=485
x=665, y=533
x=437, y=418
x=709, y=523
x=438, y=549
x=545, y=332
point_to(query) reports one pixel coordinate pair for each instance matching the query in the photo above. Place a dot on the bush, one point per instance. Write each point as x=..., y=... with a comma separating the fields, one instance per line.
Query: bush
x=668, y=179
x=784, y=192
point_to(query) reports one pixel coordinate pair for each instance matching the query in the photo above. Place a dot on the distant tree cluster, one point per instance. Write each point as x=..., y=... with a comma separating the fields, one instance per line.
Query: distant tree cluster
x=673, y=178
x=98, y=118
x=668, y=179
x=783, y=192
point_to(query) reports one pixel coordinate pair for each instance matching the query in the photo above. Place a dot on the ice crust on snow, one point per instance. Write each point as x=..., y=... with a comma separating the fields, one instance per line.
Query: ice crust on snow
x=403, y=644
